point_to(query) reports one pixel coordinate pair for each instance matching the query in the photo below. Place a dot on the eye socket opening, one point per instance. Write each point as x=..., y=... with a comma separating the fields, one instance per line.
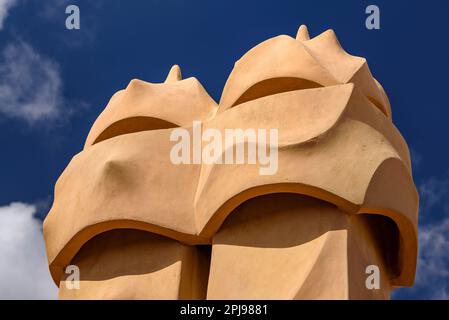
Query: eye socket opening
x=273, y=86
x=131, y=125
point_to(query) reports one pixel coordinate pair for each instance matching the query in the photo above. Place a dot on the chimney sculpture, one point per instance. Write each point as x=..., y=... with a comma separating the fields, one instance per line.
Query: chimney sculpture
x=143, y=216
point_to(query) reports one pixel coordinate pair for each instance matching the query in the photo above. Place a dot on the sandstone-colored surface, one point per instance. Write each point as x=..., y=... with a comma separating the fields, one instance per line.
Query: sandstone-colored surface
x=342, y=197
x=291, y=247
x=130, y=264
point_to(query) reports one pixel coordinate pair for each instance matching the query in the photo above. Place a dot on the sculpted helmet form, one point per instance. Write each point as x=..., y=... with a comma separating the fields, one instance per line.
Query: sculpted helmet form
x=341, y=201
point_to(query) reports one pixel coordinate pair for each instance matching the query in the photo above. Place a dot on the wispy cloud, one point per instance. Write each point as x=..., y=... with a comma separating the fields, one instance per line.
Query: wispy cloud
x=433, y=262
x=434, y=193
x=23, y=264
x=416, y=158
x=432, y=277
x=5, y=6
x=30, y=84
x=54, y=8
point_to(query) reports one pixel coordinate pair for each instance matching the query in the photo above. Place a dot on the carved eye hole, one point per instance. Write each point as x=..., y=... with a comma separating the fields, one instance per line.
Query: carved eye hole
x=133, y=124
x=273, y=86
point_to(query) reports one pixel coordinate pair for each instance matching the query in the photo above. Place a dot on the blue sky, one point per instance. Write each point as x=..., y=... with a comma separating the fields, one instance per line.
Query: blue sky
x=54, y=82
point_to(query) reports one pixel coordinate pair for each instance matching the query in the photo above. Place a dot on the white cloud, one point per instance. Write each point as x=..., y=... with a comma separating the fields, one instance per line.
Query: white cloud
x=5, y=6
x=30, y=85
x=433, y=261
x=432, y=276
x=23, y=264
x=434, y=192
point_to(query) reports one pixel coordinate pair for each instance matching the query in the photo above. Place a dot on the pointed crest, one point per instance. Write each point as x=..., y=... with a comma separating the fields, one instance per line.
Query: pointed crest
x=303, y=33
x=174, y=74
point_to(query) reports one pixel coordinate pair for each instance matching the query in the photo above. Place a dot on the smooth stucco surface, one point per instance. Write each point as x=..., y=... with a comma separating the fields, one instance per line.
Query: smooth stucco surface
x=303, y=232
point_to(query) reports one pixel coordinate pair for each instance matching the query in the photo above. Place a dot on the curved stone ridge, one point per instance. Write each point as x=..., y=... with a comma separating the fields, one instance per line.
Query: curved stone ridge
x=150, y=106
